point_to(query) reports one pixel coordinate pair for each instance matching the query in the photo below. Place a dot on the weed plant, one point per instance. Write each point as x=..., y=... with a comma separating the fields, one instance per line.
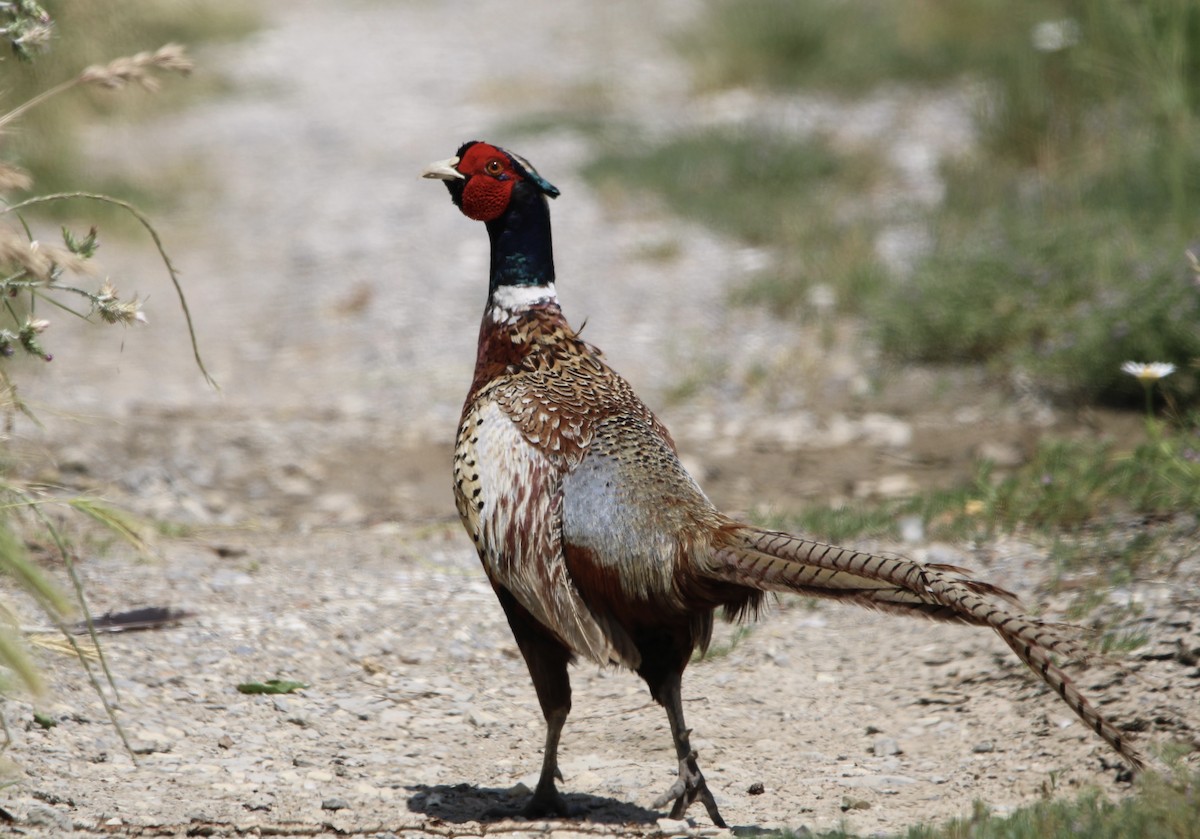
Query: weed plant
x=40, y=279
x=46, y=144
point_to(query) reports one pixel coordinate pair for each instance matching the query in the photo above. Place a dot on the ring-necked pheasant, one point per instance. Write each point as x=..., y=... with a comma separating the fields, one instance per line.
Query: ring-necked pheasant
x=598, y=542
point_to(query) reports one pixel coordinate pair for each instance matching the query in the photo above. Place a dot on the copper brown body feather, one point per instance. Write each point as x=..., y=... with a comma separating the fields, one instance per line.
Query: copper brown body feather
x=555, y=529
x=600, y=544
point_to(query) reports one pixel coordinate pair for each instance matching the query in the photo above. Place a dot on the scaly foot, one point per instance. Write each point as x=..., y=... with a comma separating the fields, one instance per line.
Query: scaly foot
x=689, y=788
x=545, y=802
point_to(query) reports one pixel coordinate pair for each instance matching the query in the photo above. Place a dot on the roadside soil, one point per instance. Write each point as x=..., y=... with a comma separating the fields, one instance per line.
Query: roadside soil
x=306, y=523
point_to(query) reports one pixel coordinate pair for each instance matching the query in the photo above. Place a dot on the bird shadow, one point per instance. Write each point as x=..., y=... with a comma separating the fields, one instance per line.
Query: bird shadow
x=459, y=803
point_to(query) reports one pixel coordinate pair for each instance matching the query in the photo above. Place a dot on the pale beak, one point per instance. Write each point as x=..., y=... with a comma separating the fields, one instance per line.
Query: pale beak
x=444, y=170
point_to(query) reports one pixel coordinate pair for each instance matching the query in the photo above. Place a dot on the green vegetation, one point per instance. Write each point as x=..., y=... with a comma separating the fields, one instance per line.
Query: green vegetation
x=1060, y=249
x=765, y=189
x=736, y=636
x=1160, y=810
x=1081, y=495
x=730, y=180
x=845, y=47
x=1065, y=277
x=1069, y=484
x=1057, y=65
x=271, y=686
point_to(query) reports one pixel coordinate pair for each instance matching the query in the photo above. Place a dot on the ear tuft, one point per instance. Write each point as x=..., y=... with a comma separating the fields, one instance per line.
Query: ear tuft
x=530, y=174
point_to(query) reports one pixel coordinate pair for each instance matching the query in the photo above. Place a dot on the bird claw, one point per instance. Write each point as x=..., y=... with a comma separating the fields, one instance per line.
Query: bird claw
x=689, y=788
x=545, y=803
x=540, y=805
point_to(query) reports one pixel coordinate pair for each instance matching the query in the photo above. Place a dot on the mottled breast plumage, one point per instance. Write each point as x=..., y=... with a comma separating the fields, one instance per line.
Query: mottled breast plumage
x=552, y=384
x=539, y=396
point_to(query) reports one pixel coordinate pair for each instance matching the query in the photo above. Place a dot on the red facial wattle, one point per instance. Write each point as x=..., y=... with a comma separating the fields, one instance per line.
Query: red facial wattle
x=485, y=198
x=490, y=179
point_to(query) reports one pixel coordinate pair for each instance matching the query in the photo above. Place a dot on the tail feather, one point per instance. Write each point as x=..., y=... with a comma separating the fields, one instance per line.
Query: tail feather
x=774, y=561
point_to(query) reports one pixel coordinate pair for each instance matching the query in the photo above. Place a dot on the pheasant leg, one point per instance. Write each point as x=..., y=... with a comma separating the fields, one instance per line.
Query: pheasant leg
x=689, y=786
x=547, y=661
x=546, y=800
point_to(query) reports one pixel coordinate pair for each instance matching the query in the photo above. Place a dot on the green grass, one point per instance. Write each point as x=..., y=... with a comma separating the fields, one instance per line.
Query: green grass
x=1109, y=51
x=853, y=521
x=1060, y=250
x=1107, y=511
x=1159, y=810
x=764, y=189
x=721, y=649
x=844, y=47
x=729, y=180
x=1069, y=484
x=1064, y=277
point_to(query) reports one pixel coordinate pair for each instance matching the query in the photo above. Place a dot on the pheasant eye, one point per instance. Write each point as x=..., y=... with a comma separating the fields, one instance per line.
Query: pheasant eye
x=493, y=167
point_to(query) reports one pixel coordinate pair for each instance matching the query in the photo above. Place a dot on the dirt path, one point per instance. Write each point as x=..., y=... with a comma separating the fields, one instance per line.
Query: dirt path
x=336, y=296
x=419, y=718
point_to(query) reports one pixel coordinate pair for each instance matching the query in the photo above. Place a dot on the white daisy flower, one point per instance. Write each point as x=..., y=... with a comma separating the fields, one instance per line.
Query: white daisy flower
x=1151, y=372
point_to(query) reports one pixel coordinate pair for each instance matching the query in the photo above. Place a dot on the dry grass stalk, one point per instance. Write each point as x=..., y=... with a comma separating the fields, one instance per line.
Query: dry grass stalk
x=137, y=68
x=12, y=178
x=171, y=58
x=37, y=260
x=31, y=271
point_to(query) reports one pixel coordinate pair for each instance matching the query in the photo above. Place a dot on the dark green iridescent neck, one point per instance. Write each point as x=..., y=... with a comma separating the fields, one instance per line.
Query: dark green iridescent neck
x=522, y=251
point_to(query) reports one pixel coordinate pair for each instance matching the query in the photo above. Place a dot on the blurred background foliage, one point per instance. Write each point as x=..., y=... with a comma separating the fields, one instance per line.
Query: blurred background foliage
x=46, y=142
x=1060, y=248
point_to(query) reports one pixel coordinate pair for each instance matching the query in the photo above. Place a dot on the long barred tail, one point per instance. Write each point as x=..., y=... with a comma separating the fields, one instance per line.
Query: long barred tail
x=773, y=561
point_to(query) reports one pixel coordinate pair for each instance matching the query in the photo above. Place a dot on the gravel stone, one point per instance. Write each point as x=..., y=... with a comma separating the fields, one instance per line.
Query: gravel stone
x=39, y=816
x=885, y=746
x=673, y=827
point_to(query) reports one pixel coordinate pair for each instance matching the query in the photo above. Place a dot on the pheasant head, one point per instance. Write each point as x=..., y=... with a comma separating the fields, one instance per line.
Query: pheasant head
x=502, y=190
x=486, y=181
